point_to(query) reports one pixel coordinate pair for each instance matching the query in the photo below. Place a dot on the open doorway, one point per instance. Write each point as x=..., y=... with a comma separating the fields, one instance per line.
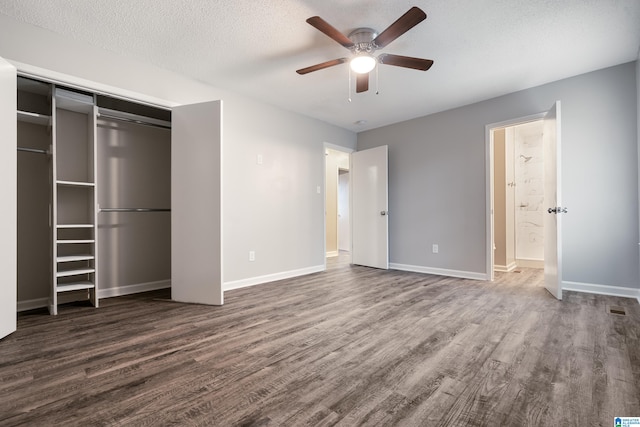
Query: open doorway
x=518, y=196
x=337, y=201
x=550, y=201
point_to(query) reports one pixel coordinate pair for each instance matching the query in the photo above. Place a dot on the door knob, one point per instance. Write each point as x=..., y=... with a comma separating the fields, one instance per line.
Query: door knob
x=557, y=210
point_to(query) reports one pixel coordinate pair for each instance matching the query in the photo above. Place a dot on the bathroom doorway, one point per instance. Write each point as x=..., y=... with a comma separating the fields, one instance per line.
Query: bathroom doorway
x=518, y=196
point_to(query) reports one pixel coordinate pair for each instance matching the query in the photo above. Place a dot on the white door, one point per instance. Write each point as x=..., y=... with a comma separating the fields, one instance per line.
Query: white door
x=553, y=210
x=369, y=213
x=196, y=203
x=8, y=195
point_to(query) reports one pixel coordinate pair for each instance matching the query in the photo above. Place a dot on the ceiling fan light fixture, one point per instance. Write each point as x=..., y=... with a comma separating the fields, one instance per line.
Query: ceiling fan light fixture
x=363, y=64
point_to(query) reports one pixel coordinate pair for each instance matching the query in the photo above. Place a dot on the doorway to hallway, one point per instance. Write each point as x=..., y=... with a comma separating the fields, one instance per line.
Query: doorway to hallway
x=337, y=205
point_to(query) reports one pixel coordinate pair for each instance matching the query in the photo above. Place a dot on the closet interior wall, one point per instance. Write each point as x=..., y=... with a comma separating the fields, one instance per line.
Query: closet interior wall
x=134, y=172
x=34, y=191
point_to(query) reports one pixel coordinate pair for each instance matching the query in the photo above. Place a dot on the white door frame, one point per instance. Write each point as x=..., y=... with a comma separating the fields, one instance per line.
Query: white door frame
x=325, y=146
x=489, y=168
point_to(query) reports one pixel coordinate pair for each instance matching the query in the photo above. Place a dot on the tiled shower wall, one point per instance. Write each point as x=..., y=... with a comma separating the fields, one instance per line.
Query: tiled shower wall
x=529, y=191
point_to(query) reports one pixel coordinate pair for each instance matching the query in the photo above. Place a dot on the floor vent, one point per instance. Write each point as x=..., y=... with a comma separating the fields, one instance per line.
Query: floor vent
x=517, y=271
x=617, y=310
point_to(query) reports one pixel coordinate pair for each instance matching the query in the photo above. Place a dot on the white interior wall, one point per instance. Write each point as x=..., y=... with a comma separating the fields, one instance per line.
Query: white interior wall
x=8, y=174
x=334, y=161
x=272, y=208
x=509, y=203
x=331, y=203
x=344, y=221
x=500, y=188
x=437, y=179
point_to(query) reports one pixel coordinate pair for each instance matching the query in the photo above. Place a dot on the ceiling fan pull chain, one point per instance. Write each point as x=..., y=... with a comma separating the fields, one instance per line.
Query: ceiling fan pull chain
x=377, y=80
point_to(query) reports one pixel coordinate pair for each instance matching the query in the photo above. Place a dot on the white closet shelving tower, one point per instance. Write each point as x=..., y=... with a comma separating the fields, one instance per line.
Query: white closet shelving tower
x=74, y=198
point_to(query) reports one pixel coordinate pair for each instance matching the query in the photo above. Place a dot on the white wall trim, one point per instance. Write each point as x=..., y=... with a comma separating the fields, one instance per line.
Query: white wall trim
x=32, y=304
x=244, y=283
x=439, y=271
x=338, y=148
x=55, y=77
x=133, y=289
x=530, y=263
x=616, y=291
x=505, y=268
x=332, y=254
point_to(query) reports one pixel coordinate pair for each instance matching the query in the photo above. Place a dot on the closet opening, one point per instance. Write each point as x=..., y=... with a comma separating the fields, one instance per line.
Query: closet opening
x=134, y=196
x=94, y=196
x=518, y=196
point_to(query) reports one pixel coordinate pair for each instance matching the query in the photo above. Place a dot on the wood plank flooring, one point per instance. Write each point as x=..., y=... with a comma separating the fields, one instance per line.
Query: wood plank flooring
x=349, y=346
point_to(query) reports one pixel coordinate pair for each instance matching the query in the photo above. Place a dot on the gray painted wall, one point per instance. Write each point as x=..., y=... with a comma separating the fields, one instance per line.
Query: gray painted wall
x=638, y=120
x=437, y=178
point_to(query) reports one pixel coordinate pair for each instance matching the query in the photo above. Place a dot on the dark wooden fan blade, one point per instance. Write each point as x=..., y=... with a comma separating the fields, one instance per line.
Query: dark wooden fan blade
x=321, y=66
x=406, y=22
x=405, y=61
x=362, y=82
x=330, y=31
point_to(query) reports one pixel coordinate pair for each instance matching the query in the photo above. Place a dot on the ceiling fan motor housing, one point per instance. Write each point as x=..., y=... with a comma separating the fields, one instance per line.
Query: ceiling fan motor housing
x=362, y=39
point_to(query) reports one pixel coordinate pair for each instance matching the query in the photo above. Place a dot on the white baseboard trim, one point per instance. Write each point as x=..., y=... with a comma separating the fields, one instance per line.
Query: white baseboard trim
x=505, y=268
x=32, y=304
x=133, y=289
x=529, y=263
x=331, y=254
x=243, y=283
x=439, y=271
x=616, y=291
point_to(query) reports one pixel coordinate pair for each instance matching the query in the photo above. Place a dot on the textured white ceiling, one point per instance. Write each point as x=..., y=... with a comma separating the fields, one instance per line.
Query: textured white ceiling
x=481, y=48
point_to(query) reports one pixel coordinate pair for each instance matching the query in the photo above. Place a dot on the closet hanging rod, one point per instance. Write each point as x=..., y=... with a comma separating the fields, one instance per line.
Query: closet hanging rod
x=33, y=150
x=133, y=118
x=133, y=210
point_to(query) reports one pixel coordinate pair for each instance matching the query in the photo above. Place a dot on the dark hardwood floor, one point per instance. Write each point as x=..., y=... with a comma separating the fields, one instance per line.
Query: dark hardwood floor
x=349, y=346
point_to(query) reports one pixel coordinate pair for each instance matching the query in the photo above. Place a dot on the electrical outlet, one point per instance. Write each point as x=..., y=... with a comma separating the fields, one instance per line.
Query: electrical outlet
x=259, y=159
x=252, y=255
x=434, y=248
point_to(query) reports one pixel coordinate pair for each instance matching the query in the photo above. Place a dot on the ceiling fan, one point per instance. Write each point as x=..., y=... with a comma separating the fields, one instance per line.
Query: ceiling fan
x=363, y=42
